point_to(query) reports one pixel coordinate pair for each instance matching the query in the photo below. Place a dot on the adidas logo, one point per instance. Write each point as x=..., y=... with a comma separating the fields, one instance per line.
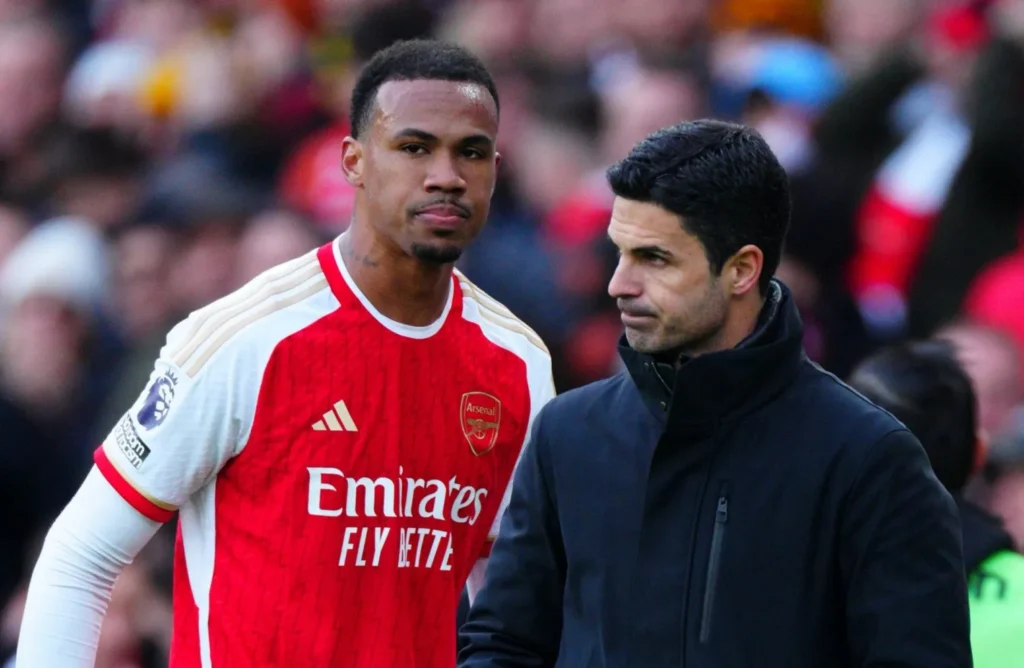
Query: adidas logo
x=336, y=419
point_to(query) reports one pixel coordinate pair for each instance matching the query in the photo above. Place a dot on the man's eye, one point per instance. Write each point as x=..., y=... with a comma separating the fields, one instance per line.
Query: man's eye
x=414, y=149
x=473, y=153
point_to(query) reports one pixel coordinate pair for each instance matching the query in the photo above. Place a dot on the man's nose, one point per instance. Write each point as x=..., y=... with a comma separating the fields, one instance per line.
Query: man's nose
x=444, y=175
x=624, y=284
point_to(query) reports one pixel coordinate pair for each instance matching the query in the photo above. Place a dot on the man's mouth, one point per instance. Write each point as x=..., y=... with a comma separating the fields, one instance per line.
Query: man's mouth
x=443, y=215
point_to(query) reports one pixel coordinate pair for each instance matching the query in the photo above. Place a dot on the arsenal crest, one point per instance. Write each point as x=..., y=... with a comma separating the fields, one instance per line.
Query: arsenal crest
x=481, y=417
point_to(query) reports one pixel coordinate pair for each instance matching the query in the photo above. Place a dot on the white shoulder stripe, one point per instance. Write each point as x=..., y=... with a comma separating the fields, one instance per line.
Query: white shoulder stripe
x=213, y=325
x=497, y=313
x=273, y=303
x=210, y=318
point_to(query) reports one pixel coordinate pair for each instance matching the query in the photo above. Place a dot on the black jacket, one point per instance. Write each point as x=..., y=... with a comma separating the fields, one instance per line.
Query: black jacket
x=759, y=514
x=983, y=534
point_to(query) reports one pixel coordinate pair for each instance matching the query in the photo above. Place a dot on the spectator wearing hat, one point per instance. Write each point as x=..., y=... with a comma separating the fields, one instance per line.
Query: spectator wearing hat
x=925, y=388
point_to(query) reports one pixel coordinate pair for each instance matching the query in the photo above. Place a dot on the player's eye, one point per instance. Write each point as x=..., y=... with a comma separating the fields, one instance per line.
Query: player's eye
x=413, y=149
x=473, y=153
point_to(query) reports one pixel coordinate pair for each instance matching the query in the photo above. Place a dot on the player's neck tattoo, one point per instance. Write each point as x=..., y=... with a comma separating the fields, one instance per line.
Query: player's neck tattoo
x=361, y=259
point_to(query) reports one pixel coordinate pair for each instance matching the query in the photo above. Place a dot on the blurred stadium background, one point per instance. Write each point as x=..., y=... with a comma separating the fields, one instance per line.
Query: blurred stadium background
x=156, y=154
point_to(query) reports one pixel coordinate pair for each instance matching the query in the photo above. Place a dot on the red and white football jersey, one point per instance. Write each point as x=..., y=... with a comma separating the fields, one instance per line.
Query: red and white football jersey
x=337, y=474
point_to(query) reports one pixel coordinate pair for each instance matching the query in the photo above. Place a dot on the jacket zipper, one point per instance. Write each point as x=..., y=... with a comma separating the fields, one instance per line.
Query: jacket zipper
x=717, y=539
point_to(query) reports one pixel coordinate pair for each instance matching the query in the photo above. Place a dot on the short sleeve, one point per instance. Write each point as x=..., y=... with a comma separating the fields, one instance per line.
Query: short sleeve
x=542, y=390
x=181, y=430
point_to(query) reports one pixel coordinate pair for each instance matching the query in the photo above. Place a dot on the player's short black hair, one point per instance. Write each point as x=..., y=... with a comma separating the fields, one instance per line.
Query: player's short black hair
x=722, y=180
x=411, y=60
x=923, y=385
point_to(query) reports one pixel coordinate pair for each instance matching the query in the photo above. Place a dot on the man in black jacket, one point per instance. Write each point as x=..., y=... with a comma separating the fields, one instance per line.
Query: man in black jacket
x=924, y=386
x=723, y=502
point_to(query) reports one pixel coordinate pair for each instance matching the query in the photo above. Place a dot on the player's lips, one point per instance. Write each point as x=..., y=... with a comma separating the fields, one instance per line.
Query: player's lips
x=443, y=215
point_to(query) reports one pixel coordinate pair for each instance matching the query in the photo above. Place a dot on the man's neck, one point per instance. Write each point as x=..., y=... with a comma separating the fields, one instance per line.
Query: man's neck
x=743, y=321
x=401, y=287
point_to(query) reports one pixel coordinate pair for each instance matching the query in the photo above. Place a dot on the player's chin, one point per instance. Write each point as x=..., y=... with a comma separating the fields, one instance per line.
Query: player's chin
x=437, y=251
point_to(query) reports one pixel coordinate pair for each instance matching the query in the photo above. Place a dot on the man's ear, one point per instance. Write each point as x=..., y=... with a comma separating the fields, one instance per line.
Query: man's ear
x=352, y=161
x=981, y=445
x=743, y=269
x=497, y=164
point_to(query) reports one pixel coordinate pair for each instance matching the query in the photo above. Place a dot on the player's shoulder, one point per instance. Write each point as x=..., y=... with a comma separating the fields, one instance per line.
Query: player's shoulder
x=500, y=324
x=251, y=321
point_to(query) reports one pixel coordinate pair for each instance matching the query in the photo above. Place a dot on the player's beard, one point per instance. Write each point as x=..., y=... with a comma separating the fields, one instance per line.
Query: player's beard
x=436, y=253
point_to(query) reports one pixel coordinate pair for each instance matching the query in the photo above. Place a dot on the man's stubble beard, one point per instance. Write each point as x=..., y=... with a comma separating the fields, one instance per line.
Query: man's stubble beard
x=692, y=334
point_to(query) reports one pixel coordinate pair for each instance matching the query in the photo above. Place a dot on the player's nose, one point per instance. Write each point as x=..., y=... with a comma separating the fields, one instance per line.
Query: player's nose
x=443, y=175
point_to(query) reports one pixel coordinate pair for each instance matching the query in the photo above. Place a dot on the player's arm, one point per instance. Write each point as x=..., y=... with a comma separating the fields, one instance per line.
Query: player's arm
x=902, y=564
x=183, y=428
x=516, y=618
x=88, y=546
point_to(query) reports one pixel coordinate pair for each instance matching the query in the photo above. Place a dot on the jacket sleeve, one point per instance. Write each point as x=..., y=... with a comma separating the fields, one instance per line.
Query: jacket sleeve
x=516, y=618
x=901, y=560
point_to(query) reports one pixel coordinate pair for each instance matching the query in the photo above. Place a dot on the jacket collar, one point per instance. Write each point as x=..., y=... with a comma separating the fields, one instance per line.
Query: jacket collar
x=717, y=387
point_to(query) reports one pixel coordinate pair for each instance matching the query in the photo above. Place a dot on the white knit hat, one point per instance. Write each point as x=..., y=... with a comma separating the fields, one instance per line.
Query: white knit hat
x=65, y=258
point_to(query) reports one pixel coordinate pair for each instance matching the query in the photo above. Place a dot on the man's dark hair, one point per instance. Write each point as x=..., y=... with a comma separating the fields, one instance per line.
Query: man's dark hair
x=412, y=60
x=377, y=27
x=924, y=387
x=96, y=153
x=721, y=179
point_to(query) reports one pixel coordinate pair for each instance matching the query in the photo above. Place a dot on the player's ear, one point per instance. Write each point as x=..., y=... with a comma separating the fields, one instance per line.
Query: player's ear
x=352, y=161
x=497, y=163
x=743, y=269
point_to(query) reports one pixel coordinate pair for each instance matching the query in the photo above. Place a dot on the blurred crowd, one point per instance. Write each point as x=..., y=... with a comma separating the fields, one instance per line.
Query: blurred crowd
x=157, y=154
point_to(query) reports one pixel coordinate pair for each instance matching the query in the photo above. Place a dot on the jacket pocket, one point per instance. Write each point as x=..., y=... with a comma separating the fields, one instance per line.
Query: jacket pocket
x=711, y=583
